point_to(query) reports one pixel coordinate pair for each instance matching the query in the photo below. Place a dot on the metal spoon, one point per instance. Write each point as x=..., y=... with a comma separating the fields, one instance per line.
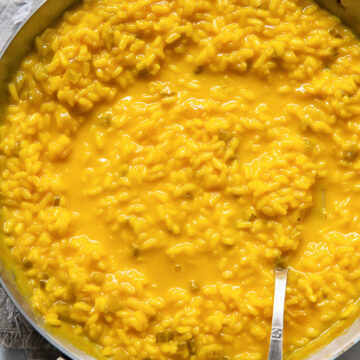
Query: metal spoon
x=276, y=338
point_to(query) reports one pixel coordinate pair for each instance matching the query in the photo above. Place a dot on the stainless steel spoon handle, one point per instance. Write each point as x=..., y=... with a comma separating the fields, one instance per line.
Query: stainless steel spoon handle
x=276, y=339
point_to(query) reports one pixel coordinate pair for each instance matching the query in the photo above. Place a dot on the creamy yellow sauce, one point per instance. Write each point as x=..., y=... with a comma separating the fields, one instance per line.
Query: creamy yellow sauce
x=160, y=158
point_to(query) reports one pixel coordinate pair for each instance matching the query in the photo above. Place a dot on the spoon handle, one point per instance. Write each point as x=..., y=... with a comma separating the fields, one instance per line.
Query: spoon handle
x=276, y=338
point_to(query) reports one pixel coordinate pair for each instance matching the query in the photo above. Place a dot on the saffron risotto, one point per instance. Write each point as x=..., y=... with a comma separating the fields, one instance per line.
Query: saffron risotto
x=158, y=158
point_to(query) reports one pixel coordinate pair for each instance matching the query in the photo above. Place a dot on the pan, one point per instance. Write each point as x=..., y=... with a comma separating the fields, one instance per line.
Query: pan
x=10, y=56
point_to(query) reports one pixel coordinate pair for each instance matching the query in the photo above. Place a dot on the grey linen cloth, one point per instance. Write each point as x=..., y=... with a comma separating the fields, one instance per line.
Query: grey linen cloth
x=15, y=332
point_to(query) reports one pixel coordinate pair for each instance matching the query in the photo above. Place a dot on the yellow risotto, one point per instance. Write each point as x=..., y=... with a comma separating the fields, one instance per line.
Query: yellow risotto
x=158, y=158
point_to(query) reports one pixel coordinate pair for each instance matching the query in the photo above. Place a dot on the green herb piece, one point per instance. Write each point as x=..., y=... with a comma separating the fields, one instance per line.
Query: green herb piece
x=194, y=286
x=191, y=346
x=164, y=337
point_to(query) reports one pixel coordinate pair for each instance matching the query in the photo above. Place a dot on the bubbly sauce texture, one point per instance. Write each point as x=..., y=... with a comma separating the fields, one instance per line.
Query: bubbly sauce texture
x=160, y=157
